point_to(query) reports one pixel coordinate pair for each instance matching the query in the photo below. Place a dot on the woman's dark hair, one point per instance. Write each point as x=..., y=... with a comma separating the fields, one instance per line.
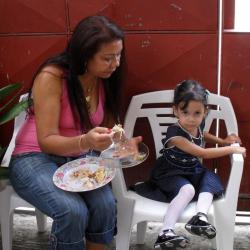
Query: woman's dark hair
x=189, y=90
x=87, y=38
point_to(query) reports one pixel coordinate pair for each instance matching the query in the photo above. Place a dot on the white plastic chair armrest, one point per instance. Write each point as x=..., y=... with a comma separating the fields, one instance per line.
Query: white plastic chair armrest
x=234, y=180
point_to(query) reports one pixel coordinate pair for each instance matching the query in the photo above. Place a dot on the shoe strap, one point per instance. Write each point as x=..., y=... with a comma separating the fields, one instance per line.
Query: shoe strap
x=200, y=214
x=165, y=231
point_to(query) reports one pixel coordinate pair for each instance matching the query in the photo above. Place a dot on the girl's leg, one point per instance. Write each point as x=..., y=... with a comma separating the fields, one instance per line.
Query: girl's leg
x=167, y=236
x=177, y=205
x=204, y=202
x=198, y=224
x=210, y=184
x=31, y=176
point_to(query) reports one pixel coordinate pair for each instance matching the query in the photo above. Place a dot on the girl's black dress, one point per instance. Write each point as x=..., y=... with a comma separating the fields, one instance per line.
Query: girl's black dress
x=175, y=168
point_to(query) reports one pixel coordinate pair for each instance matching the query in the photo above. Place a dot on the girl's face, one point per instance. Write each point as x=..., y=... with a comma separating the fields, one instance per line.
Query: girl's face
x=106, y=60
x=191, y=117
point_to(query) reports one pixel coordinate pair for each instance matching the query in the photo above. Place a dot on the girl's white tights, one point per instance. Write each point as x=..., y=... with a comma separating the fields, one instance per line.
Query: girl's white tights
x=203, y=204
x=177, y=205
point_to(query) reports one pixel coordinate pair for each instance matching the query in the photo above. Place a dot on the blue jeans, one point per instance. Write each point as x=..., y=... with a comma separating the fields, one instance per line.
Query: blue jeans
x=90, y=215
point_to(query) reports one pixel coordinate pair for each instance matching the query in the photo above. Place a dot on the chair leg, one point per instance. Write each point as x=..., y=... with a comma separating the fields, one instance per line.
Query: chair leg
x=7, y=230
x=125, y=211
x=6, y=220
x=224, y=223
x=141, y=231
x=122, y=239
x=41, y=220
x=224, y=237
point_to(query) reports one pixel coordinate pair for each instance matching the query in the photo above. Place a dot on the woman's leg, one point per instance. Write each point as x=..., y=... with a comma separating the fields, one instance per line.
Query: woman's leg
x=31, y=176
x=102, y=216
x=94, y=246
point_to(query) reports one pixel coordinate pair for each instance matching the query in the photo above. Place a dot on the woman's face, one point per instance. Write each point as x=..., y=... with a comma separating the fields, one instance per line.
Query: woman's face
x=106, y=60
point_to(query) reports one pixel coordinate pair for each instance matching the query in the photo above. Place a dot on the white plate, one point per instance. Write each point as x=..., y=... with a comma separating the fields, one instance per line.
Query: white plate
x=129, y=161
x=83, y=175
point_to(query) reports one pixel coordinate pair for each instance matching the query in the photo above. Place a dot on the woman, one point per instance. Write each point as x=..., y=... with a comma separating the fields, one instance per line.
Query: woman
x=75, y=100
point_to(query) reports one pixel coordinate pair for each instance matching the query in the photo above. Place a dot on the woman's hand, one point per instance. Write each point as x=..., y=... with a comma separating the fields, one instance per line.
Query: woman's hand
x=127, y=147
x=97, y=138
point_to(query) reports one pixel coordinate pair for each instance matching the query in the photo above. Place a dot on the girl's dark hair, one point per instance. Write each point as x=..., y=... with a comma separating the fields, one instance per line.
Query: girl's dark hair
x=189, y=90
x=87, y=38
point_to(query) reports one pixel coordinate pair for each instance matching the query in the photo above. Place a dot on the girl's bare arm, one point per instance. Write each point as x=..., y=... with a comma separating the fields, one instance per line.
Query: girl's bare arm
x=205, y=153
x=230, y=139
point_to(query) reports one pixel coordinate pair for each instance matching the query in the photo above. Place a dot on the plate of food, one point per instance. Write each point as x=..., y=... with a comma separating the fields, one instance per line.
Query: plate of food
x=83, y=174
x=128, y=156
x=128, y=151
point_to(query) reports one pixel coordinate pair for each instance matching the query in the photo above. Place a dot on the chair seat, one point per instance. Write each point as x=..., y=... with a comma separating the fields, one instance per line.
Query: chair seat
x=146, y=208
x=16, y=201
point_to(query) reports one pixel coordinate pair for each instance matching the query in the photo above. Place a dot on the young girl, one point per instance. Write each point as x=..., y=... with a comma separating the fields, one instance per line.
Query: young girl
x=179, y=173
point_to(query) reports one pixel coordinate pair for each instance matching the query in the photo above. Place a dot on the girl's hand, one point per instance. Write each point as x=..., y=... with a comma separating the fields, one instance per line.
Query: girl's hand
x=98, y=138
x=230, y=139
x=239, y=150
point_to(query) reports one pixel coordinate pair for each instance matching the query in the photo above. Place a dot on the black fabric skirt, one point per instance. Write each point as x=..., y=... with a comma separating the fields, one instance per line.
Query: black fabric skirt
x=166, y=181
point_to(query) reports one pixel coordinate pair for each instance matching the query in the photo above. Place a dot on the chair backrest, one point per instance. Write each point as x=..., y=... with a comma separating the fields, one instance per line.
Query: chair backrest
x=145, y=106
x=19, y=120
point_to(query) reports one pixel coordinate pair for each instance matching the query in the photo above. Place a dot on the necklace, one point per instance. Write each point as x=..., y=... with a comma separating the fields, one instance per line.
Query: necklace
x=200, y=137
x=88, y=94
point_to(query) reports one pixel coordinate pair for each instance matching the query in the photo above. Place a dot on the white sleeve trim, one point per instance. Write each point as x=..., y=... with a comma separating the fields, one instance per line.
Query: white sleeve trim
x=169, y=140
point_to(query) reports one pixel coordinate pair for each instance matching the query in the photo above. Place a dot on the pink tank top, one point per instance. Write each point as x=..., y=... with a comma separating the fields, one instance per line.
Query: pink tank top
x=26, y=140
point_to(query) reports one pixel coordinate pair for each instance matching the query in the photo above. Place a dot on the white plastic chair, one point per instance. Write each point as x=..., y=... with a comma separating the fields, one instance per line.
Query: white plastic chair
x=9, y=200
x=134, y=209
